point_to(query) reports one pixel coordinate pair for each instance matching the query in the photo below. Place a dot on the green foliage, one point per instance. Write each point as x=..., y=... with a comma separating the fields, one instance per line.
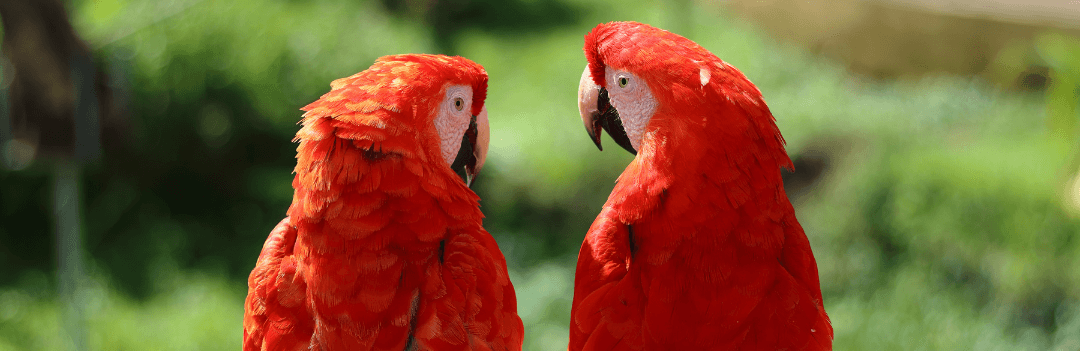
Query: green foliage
x=957, y=247
x=940, y=223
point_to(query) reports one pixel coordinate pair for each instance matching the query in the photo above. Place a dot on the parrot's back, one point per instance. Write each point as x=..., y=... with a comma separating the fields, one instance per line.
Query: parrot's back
x=392, y=268
x=383, y=247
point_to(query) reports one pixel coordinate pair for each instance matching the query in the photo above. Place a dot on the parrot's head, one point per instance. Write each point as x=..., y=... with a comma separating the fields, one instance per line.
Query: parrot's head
x=646, y=86
x=436, y=100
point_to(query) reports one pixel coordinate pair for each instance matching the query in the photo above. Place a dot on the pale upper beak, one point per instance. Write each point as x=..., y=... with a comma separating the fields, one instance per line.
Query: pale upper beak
x=588, y=95
x=479, y=135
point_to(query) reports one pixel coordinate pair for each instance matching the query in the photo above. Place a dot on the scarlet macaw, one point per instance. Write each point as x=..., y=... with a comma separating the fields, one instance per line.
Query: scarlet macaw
x=697, y=247
x=383, y=247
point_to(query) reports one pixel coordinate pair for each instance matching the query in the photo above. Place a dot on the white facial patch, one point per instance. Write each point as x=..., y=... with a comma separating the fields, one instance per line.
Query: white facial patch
x=631, y=96
x=452, y=119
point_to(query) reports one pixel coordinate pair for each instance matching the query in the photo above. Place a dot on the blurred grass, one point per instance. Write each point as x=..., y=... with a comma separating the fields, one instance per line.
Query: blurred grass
x=190, y=312
x=940, y=225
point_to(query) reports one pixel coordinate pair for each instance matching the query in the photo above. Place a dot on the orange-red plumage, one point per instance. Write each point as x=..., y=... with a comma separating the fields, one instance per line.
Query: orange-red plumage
x=697, y=247
x=383, y=247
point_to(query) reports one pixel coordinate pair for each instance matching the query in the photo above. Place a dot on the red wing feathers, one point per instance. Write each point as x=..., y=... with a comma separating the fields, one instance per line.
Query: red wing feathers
x=275, y=316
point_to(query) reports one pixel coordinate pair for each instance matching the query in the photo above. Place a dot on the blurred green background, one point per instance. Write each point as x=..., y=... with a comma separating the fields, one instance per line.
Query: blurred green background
x=937, y=189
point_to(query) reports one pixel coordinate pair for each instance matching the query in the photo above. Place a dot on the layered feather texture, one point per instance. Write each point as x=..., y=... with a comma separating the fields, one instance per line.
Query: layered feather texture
x=383, y=247
x=697, y=247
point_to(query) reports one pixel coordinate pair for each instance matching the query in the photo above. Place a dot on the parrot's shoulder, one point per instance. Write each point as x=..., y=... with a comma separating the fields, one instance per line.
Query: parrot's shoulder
x=469, y=281
x=609, y=239
x=279, y=243
x=603, y=263
x=274, y=311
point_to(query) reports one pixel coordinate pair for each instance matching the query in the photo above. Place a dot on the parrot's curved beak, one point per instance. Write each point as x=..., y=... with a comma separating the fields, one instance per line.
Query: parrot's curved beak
x=598, y=113
x=473, y=149
x=474, y=146
x=480, y=135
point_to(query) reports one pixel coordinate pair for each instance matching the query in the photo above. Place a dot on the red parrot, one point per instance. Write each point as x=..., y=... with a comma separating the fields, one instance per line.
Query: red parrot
x=383, y=247
x=697, y=247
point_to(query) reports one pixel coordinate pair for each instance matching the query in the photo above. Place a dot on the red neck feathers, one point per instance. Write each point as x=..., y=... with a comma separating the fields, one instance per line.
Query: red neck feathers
x=369, y=145
x=711, y=130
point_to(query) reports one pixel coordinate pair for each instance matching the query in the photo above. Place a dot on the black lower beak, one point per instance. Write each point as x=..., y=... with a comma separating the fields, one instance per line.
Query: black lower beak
x=465, y=161
x=607, y=118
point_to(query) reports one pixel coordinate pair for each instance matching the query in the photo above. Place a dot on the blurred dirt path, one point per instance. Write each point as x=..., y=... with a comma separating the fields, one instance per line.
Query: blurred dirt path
x=1063, y=14
x=914, y=38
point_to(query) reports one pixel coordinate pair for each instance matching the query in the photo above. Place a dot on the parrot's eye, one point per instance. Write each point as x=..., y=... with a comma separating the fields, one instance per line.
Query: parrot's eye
x=623, y=81
x=459, y=103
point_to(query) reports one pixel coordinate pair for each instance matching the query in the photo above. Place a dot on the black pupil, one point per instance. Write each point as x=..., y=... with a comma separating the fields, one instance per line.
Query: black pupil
x=457, y=102
x=622, y=81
